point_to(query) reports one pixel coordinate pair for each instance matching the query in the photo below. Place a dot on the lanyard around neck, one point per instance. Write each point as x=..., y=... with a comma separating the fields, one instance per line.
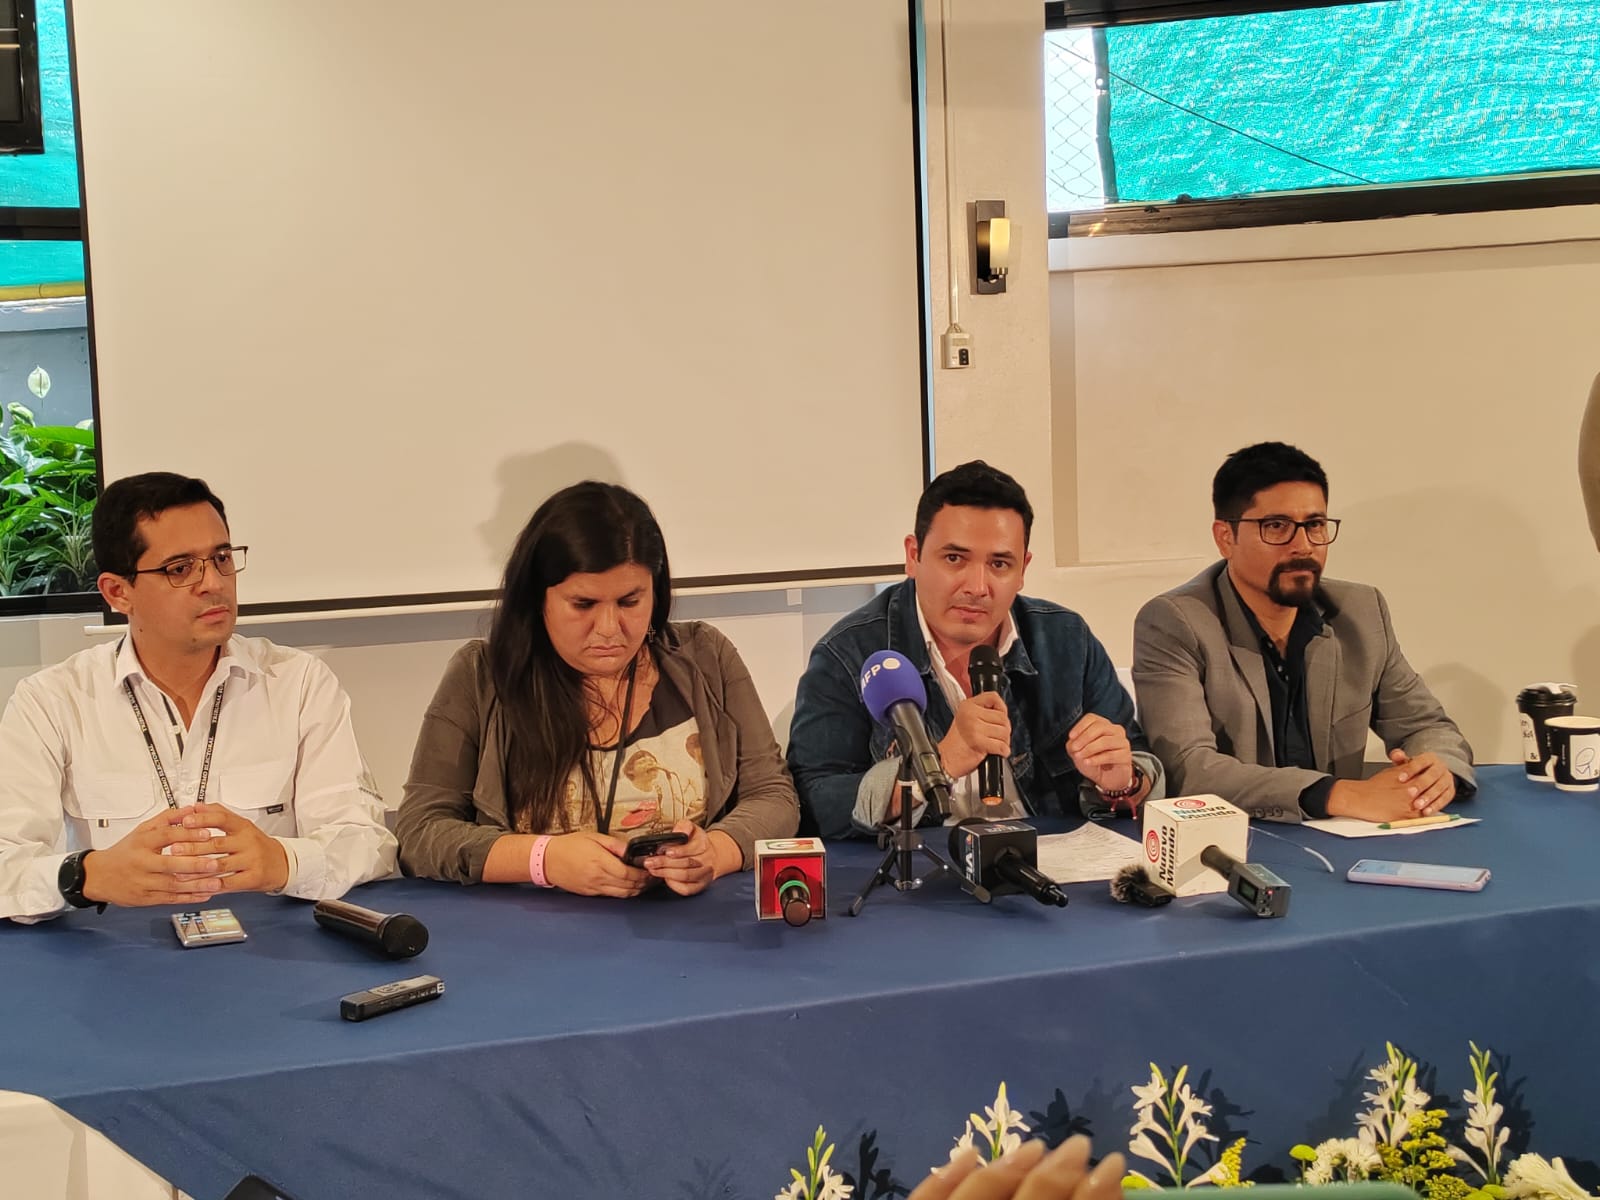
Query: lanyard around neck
x=602, y=820
x=155, y=755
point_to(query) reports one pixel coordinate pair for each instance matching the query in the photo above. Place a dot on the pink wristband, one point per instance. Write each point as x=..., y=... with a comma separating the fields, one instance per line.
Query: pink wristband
x=536, y=861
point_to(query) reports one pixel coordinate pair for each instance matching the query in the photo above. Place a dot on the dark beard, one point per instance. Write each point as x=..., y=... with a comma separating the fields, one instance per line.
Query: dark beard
x=1298, y=596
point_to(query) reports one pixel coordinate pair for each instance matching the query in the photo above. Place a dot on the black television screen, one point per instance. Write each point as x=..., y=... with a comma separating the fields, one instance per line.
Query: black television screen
x=21, y=118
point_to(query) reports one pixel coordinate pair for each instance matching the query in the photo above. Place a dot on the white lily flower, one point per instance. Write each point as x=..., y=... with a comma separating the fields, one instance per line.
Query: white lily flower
x=1143, y=1147
x=1482, y=1126
x=1362, y=1155
x=1152, y=1093
x=1193, y=1105
x=1530, y=1175
x=1373, y=1125
x=1000, y=1134
x=833, y=1186
x=1196, y=1133
x=1342, y=1158
x=1215, y=1174
x=1002, y=1115
x=964, y=1142
x=1147, y=1120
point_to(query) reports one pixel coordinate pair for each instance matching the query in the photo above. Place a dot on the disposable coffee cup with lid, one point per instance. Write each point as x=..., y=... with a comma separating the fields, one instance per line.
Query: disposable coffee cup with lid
x=1536, y=704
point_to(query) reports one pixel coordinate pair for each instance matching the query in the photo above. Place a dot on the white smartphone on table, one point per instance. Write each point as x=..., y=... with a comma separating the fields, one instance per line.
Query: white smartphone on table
x=1422, y=875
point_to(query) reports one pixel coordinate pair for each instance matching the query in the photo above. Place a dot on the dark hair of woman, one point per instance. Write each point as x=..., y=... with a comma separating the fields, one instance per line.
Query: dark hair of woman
x=588, y=528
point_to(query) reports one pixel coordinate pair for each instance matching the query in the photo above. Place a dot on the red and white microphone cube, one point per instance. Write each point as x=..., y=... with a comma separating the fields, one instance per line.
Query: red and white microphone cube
x=791, y=880
x=1178, y=830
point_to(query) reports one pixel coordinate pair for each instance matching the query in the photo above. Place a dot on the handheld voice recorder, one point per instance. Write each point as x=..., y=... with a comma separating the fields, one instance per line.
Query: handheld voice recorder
x=387, y=997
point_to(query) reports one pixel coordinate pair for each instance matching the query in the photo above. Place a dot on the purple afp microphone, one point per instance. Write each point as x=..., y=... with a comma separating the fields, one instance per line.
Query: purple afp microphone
x=984, y=674
x=395, y=934
x=893, y=692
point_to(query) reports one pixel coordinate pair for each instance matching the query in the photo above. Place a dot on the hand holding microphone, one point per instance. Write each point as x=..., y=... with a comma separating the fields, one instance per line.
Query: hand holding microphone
x=984, y=673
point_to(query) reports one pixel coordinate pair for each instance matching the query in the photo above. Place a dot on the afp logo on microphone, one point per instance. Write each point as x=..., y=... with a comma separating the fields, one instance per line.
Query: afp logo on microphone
x=887, y=663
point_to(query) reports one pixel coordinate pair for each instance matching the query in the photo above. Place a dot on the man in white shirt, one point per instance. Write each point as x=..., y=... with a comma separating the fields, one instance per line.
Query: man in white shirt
x=180, y=761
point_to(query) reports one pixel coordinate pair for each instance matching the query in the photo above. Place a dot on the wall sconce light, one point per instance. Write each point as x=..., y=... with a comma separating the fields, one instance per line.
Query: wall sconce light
x=991, y=246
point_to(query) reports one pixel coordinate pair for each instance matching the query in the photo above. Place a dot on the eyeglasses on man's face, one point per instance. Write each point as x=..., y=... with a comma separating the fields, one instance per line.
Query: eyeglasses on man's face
x=1280, y=531
x=186, y=572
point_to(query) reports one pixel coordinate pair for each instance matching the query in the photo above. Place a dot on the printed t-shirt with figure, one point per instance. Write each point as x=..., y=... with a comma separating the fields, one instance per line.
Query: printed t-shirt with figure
x=663, y=773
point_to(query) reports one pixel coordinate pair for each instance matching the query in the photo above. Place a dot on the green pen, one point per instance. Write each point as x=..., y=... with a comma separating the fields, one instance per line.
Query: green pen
x=1413, y=822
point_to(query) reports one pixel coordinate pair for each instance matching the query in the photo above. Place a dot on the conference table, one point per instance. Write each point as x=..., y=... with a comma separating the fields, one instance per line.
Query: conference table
x=677, y=1047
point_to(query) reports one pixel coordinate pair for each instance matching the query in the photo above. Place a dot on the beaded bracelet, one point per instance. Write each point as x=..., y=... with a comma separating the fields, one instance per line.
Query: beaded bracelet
x=1124, y=793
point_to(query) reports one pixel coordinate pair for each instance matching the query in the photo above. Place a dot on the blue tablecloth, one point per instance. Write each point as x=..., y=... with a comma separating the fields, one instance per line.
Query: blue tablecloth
x=677, y=1047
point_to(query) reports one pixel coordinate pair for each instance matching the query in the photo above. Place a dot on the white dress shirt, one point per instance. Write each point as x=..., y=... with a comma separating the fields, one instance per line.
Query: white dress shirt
x=75, y=773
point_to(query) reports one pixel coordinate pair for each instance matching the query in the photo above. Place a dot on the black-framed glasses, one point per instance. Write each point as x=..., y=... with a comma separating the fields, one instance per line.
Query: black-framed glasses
x=186, y=572
x=1280, y=531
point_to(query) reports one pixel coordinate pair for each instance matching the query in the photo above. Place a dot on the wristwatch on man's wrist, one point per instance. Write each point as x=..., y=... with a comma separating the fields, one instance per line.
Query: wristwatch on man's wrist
x=71, y=878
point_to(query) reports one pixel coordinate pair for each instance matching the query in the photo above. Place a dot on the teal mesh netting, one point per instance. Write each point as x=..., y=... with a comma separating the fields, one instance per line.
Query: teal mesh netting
x=1404, y=91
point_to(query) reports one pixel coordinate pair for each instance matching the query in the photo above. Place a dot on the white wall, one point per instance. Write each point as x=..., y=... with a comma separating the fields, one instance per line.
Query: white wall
x=1440, y=386
x=998, y=409
x=1437, y=366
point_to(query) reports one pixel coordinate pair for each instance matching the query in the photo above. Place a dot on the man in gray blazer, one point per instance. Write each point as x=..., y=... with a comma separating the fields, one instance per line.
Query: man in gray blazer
x=1257, y=680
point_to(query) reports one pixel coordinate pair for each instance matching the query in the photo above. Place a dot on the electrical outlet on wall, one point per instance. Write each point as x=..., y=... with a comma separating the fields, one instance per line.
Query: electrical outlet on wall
x=957, y=344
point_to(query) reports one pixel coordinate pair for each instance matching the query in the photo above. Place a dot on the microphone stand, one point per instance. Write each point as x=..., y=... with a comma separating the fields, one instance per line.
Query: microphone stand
x=901, y=845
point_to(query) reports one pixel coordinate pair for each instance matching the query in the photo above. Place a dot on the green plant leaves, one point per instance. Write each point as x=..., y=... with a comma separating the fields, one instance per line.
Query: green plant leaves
x=47, y=495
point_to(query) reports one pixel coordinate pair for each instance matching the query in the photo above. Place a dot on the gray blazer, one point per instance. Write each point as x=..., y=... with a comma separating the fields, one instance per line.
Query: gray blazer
x=1204, y=703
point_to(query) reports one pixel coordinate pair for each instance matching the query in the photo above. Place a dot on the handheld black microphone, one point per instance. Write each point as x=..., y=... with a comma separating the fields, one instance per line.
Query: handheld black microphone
x=395, y=934
x=1252, y=885
x=794, y=895
x=1002, y=856
x=984, y=673
x=893, y=693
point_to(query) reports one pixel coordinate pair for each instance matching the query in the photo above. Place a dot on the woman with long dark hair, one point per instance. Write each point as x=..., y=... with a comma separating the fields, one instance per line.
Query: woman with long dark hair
x=588, y=719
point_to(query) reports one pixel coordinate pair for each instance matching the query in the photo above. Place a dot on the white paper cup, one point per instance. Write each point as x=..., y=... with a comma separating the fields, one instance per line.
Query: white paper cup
x=1575, y=752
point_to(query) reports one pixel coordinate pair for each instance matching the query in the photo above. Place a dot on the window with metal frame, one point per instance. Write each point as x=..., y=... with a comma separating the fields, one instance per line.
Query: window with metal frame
x=21, y=128
x=48, y=480
x=1165, y=114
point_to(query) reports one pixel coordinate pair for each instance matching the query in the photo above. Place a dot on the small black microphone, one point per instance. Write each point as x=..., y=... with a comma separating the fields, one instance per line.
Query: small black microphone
x=984, y=673
x=397, y=935
x=1133, y=885
x=1002, y=856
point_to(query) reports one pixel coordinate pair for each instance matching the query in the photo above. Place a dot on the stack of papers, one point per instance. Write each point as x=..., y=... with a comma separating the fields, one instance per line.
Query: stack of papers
x=1092, y=852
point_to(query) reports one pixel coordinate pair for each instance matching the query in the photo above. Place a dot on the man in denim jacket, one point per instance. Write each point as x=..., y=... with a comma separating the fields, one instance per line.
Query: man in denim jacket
x=1062, y=723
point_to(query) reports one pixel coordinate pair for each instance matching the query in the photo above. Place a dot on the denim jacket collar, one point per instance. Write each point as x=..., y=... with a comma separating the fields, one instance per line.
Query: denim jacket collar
x=905, y=634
